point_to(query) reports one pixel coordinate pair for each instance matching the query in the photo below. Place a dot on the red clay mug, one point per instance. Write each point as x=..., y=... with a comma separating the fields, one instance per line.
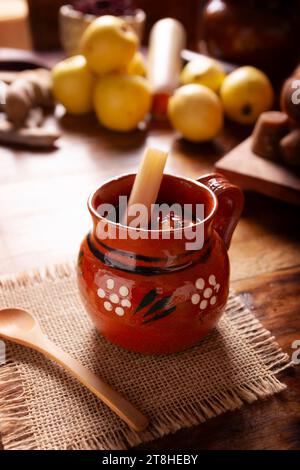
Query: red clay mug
x=155, y=296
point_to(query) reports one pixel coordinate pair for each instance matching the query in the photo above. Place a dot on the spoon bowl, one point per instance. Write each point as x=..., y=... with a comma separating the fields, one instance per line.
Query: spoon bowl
x=14, y=321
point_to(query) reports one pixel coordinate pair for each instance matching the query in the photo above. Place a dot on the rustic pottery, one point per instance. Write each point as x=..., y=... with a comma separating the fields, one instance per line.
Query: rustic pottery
x=154, y=296
x=253, y=32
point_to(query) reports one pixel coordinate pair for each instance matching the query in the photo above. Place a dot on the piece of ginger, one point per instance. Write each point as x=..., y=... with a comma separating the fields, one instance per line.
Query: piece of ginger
x=29, y=90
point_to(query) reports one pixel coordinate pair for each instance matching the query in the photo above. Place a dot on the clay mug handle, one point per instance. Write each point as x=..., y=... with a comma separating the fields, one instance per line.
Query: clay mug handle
x=230, y=204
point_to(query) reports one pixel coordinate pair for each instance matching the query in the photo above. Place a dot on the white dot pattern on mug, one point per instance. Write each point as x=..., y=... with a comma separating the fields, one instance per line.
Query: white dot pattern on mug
x=115, y=297
x=207, y=291
x=195, y=299
x=200, y=283
x=119, y=311
x=125, y=303
x=101, y=293
x=123, y=291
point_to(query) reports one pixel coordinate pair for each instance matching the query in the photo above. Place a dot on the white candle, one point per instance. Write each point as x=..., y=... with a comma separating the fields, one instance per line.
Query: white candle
x=167, y=40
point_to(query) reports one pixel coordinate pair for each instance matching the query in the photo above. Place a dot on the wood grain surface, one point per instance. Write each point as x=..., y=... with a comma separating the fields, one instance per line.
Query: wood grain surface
x=269, y=424
x=43, y=217
x=250, y=171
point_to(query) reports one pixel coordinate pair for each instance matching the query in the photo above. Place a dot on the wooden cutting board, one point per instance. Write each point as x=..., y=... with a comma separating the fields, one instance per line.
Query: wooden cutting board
x=252, y=172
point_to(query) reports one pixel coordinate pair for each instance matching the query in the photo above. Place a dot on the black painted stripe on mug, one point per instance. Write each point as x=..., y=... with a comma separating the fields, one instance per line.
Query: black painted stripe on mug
x=146, y=300
x=158, y=305
x=131, y=254
x=160, y=315
x=142, y=270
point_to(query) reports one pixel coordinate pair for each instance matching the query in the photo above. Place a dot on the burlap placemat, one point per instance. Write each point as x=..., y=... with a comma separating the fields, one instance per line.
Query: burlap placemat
x=42, y=407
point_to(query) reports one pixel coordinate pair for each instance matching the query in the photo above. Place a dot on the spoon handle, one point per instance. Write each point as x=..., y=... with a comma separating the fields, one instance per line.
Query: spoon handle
x=116, y=402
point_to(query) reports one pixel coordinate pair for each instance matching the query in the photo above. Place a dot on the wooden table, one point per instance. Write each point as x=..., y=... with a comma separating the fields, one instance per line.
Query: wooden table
x=43, y=217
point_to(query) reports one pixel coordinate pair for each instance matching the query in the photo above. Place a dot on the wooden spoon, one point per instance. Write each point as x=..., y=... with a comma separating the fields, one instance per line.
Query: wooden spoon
x=20, y=327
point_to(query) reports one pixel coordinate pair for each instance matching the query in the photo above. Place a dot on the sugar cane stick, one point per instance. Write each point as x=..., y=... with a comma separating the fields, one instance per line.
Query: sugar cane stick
x=167, y=40
x=29, y=137
x=147, y=183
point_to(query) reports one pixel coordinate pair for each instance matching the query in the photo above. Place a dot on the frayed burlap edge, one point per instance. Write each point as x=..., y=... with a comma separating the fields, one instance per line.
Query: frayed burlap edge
x=15, y=422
